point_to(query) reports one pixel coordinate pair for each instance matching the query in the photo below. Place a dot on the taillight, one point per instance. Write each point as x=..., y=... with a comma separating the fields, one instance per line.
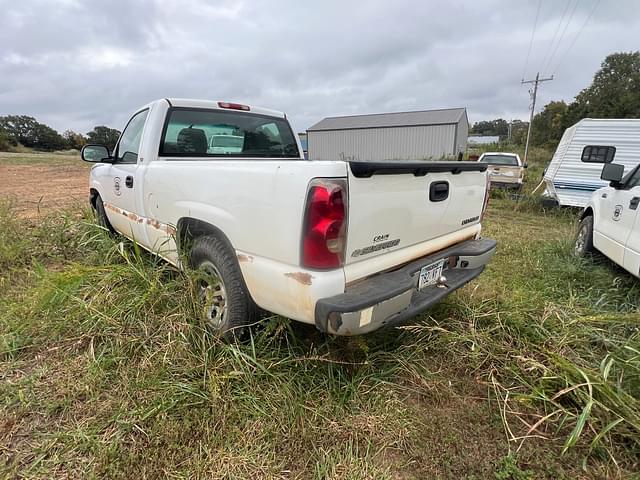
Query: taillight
x=486, y=195
x=324, y=230
x=233, y=106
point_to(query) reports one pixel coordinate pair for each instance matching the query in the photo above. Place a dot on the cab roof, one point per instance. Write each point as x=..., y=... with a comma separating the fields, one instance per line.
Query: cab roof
x=214, y=104
x=502, y=153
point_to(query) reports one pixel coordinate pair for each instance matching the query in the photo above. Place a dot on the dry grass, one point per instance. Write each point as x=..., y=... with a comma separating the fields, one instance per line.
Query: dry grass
x=530, y=372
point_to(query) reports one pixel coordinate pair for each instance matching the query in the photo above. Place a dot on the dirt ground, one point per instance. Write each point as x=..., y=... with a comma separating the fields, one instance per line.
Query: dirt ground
x=38, y=188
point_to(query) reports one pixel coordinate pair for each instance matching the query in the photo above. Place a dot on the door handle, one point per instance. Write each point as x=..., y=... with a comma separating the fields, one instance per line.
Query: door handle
x=604, y=195
x=128, y=182
x=633, y=204
x=438, y=191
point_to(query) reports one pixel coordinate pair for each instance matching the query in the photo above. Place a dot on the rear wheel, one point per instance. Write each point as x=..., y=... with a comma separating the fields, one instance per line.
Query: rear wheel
x=584, y=238
x=225, y=305
x=101, y=215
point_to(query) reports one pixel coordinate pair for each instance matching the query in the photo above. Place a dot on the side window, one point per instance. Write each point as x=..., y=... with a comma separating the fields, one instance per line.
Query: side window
x=129, y=143
x=634, y=179
x=598, y=154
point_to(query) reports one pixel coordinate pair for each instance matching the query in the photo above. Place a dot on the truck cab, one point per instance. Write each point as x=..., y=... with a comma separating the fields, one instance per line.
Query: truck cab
x=347, y=246
x=610, y=223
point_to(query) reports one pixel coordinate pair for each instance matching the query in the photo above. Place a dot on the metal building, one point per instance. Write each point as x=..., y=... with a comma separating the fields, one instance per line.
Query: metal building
x=428, y=134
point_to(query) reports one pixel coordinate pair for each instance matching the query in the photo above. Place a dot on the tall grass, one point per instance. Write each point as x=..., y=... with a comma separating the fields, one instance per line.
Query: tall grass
x=106, y=372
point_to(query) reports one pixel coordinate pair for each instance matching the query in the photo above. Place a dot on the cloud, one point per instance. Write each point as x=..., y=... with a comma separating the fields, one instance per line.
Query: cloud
x=76, y=64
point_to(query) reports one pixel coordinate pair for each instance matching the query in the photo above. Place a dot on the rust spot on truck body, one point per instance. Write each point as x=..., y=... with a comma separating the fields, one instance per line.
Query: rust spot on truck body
x=301, y=277
x=168, y=229
x=245, y=258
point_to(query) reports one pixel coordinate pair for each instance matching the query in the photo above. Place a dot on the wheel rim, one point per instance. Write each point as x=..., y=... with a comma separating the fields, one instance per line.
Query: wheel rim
x=213, y=296
x=581, y=240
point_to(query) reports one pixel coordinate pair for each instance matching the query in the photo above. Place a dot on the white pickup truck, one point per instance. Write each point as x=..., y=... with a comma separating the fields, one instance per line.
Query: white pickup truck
x=506, y=170
x=610, y=222
x=347, y=246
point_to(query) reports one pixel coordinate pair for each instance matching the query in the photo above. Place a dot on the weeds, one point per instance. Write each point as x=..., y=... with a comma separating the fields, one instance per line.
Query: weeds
x=104, y=370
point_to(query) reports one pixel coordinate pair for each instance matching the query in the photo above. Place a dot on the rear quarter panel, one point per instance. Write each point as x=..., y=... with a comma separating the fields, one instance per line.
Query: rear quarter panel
x=258, y=204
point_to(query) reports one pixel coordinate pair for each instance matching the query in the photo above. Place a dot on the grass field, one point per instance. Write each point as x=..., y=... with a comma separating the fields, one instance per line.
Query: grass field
x=40, y=158
x=532, y=371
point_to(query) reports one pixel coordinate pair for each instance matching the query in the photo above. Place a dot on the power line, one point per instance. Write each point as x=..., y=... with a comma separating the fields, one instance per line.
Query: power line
x=555, y=34
x=533, y=32
x=595, y=6
x=564, y=30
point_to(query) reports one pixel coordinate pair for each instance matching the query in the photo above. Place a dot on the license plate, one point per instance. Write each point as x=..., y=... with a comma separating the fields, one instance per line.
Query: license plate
x=429, y=274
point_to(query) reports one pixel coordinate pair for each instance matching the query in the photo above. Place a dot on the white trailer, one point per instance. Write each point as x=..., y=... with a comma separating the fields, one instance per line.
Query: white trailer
x=570, y=179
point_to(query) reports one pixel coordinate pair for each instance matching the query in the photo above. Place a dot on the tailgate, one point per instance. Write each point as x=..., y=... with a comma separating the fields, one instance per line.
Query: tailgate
x=395, y=205
x=505, y=173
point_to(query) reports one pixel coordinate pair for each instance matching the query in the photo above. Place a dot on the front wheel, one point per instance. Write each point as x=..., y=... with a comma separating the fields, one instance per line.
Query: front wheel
x=225, y=305
x=101, y=215
x=584, y=238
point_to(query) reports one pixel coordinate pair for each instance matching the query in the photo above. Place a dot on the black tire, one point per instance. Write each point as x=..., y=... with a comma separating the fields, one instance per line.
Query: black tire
x=226, y=307
x=101, y=215
x=583, y=245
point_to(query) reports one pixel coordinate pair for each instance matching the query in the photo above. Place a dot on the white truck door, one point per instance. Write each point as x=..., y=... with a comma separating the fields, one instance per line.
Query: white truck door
x=616, y=219
x=119, y=195
x=632, y=249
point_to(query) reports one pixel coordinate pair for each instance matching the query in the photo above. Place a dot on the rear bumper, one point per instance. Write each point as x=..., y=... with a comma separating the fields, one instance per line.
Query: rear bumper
x=392, y=298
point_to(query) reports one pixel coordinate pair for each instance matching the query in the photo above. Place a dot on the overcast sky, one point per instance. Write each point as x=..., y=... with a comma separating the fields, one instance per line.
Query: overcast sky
x=75, y=64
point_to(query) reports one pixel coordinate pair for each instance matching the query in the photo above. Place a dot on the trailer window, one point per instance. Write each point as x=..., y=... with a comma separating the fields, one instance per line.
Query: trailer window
x=192, y=132
x=598, y=154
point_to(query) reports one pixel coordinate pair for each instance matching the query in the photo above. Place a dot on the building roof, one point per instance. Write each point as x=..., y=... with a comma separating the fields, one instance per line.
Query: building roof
x=445, y=116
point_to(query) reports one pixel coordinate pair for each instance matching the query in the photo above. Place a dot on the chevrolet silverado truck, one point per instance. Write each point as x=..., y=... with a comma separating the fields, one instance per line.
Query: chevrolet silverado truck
x=347, y=246
x=610, y=223
x=506, y=170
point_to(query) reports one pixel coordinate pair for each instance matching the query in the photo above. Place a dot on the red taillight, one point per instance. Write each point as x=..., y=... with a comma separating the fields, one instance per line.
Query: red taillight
x=325, y=224
x=234, y=106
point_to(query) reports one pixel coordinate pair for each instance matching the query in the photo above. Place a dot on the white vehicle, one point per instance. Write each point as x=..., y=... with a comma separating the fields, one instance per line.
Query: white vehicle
x=570, y=178
x=226, y=144
x=347, y=246
x=506, y=170
x=611, y=223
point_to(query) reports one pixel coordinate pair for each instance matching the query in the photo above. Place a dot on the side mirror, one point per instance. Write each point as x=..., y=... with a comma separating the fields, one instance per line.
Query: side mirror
x=526, y=165
x=613, y=173
x=95, y=153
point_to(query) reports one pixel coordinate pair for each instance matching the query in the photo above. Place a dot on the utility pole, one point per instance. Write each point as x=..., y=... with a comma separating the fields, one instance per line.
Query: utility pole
x=533, y=106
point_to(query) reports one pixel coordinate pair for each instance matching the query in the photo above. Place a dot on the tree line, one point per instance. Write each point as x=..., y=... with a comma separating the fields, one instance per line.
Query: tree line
x=27, y=131
x=613, y=93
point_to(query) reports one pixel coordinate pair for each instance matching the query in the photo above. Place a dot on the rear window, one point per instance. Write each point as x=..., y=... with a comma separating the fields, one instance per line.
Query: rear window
x=192, y=132
x=509, y=160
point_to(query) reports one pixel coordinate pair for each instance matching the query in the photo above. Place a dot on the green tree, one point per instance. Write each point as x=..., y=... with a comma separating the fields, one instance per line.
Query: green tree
x=519, y=131
x=5, y=141
x=20, y=129
x=74, y=140
x=102, y=135
x=547, y=126
x=498, y=127
x=29, y=132
x=48, y=139
x=614, y=92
